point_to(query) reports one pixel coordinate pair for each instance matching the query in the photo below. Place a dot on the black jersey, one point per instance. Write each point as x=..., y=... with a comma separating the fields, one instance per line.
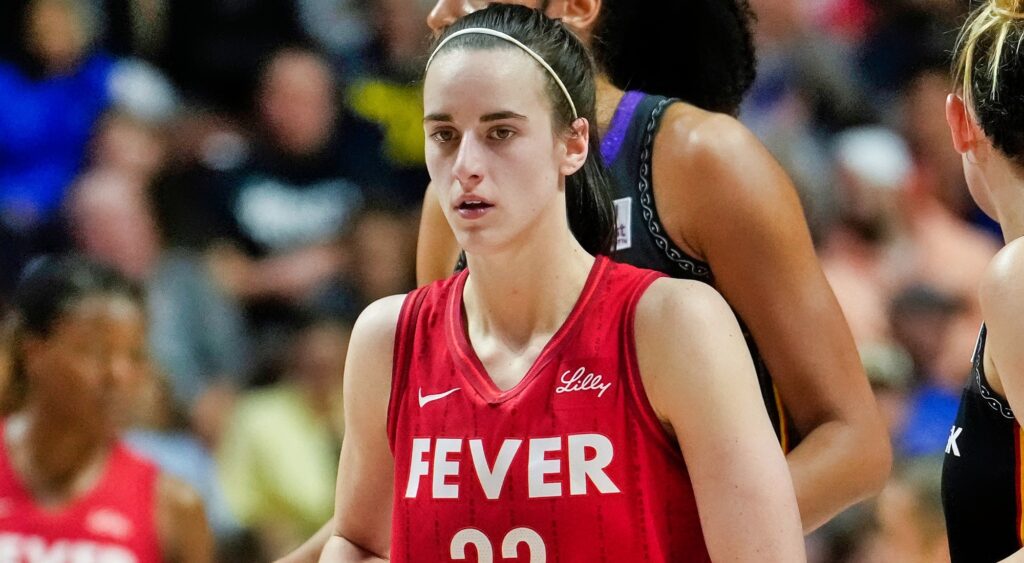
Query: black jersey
x=628, y=149
x=981, y=475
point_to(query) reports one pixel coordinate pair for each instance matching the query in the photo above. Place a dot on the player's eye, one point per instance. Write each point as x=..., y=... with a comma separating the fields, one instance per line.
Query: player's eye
x=501, y=133
x=443, y=135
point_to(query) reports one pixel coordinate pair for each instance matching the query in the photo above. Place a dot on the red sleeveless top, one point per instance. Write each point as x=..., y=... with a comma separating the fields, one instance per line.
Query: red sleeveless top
x=569, y=465
x=115, y=522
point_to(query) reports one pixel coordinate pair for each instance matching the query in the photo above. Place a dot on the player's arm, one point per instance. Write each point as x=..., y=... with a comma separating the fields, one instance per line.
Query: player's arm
x=700, y=380
x=746, y=220
x=309, y=551
x=436, y=249
x=1002, y=306
x=362, y=513
x=184, y=534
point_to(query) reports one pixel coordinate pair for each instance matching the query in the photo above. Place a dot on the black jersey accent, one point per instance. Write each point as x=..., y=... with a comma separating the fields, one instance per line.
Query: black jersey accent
x=981, y=473
x=643, y=242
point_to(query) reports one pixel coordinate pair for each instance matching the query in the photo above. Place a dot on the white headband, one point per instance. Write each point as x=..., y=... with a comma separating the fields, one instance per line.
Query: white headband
x=516, y=42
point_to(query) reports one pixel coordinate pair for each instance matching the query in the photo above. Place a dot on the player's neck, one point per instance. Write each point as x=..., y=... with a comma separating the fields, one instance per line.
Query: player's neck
x=1010, y=212
x=608, y=97
x=1012, y=225
x=1006, y=190
x=515, y=295
x=56, y=461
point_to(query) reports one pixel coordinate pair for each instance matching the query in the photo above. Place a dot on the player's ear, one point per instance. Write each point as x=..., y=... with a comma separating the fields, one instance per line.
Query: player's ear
x=577, y=147
x=968, y=137
x=580, y=15
x=960, y=123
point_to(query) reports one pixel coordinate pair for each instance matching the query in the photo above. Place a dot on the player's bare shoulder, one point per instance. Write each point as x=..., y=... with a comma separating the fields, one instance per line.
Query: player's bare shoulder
x=1001, y=286
x=686, y=337
x=379, y=320
x=698, y=136
x=1002, y=305
x=371, y=346
x=709, y=167
x=177, y=502
x=682, y=318
x=181, y=522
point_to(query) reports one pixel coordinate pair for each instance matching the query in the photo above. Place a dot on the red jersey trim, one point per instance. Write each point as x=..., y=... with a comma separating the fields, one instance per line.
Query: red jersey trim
x=475, y=372
x=78, y=504
x=401, y=360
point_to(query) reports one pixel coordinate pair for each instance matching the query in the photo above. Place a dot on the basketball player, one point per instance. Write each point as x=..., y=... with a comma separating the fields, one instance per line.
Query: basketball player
x=545, y=404
x=698, y=197
x=69, y=490
x=982, y=483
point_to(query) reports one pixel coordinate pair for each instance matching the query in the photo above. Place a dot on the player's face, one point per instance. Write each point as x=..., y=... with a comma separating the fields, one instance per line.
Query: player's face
x=69, y=367
x=491, y=149
x=447, y=11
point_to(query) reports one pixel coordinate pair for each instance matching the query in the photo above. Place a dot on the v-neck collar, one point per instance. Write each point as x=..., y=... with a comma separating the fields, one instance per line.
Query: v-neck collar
x=70, y=507
x=474, y=370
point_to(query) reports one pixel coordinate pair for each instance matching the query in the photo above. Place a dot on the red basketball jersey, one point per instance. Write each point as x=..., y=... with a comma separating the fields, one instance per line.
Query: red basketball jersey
x=115, y=522
x=570, y=465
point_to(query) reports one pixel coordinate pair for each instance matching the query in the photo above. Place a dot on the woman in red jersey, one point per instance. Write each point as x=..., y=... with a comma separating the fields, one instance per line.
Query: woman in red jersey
x=706, y=201
x=69, y=490
x=699, y=197
x=545, y=404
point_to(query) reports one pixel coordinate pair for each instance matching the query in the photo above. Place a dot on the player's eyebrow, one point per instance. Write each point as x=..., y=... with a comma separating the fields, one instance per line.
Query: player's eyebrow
x=499, y=115
x=494, y=116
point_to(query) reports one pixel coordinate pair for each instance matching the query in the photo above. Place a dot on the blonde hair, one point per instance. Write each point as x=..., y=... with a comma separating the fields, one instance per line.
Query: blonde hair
x=988, y=27
x=989, y=73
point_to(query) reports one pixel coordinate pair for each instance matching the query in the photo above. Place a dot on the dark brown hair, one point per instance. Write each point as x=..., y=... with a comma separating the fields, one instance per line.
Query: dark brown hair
x=588, y=196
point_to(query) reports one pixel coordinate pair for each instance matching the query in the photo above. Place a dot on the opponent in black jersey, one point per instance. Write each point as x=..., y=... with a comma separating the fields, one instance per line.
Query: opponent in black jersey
x=628, y=150
x=728, y=212
x=981, y=481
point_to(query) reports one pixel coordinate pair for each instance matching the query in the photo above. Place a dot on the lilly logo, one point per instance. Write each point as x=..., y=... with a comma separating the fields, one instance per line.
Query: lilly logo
x=110, y=523
x=580, y=380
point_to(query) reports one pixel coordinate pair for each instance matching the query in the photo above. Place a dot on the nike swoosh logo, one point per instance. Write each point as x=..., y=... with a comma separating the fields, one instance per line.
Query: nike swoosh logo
x=424, y=399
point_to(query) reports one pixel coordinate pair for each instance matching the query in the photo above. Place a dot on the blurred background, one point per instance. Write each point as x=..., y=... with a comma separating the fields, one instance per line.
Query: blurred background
x=257, y=165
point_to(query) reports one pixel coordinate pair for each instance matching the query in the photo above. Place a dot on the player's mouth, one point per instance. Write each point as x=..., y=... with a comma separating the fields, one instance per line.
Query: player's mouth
x=472, y=207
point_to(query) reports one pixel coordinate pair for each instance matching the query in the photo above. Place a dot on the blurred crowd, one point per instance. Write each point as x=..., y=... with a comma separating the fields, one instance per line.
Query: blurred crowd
x=850, y=98
x=257, y=166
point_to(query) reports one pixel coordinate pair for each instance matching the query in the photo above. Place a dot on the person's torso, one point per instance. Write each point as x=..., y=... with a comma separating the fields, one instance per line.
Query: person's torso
x=981, y=473
x=571, y=464
x=628, y=151
x=278, y=202
x=279, y=459
x=43, y=149
x=114, y=522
